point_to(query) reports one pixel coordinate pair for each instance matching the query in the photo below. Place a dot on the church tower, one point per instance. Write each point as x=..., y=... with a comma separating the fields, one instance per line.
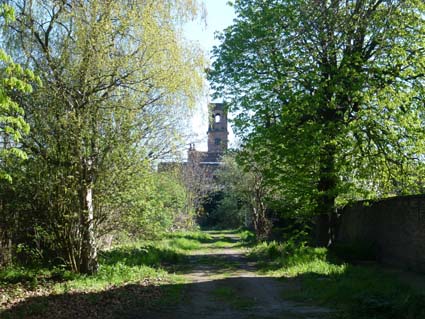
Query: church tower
x=217, y=129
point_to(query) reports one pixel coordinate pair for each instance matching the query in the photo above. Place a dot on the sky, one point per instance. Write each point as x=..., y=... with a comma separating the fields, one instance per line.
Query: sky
x=219, y=15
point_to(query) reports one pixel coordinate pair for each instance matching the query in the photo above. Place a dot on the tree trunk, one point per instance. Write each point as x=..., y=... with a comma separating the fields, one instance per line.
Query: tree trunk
x=88, y=261
x=262, y=225
x=6, y=230
x=88, y=248
x=324, y=232
x=5, y=249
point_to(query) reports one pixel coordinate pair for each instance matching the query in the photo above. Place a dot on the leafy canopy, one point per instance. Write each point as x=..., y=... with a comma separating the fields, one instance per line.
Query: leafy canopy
x=330, y=93
x=12, y=123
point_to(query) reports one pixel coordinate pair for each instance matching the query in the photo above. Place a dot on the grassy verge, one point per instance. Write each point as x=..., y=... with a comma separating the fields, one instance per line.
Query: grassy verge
x=356, y=292
x=212, y=239
x=124, y=271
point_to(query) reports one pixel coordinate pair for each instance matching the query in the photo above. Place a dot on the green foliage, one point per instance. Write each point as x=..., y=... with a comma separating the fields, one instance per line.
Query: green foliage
x=151, y=204
x=328, y=97
x=361, y=292
x=112, y=72
x=234, y=208
x=231, y=212
x=245, y=194
x=193, y=235
x=291, y=259
x=124, y=264
x=150, y=254
x=12, y=122
x=185, y=244
x=247, y=236
x=28, y=276
x=355, y=291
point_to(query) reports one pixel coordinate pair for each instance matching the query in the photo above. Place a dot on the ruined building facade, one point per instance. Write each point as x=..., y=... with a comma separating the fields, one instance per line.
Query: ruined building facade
x=218, y=137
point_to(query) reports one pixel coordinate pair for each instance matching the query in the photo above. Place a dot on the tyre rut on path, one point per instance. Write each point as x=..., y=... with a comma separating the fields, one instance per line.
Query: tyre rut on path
x=223, y=283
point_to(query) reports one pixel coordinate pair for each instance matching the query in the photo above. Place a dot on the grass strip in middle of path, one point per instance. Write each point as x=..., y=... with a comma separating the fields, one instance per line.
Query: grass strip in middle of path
x=230, y=296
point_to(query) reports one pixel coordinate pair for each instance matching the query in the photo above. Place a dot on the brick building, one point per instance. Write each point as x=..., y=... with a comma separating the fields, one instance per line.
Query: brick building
x=218, y=137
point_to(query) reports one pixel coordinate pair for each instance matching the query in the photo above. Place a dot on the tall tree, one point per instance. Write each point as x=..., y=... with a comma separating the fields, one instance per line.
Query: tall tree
x=12, y=123
x=103, y=64
x=329, y=91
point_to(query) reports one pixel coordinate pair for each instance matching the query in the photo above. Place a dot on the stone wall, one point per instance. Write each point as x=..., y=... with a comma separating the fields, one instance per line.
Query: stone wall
x=394, y=226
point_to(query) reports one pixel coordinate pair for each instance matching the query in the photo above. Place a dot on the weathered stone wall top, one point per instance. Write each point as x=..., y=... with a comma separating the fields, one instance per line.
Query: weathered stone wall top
x=396, y=226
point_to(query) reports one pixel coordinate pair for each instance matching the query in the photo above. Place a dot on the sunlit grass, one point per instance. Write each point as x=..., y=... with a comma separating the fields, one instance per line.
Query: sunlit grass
x=184, y=243
x=133, y=263
x=357, y=292
x=116, y=275
x=224, y=244
x=289, y=260
x=193, y=235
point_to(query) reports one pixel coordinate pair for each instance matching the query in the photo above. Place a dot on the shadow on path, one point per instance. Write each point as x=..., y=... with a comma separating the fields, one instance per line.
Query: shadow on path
x=219, y=283
x=238, y=297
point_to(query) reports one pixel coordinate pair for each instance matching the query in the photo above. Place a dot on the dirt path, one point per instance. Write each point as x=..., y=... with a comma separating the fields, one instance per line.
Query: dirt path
x=222, y=283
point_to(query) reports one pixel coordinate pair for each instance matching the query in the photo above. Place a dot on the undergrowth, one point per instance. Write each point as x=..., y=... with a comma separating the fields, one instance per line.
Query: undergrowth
x=356, y=292
x=131, y=263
